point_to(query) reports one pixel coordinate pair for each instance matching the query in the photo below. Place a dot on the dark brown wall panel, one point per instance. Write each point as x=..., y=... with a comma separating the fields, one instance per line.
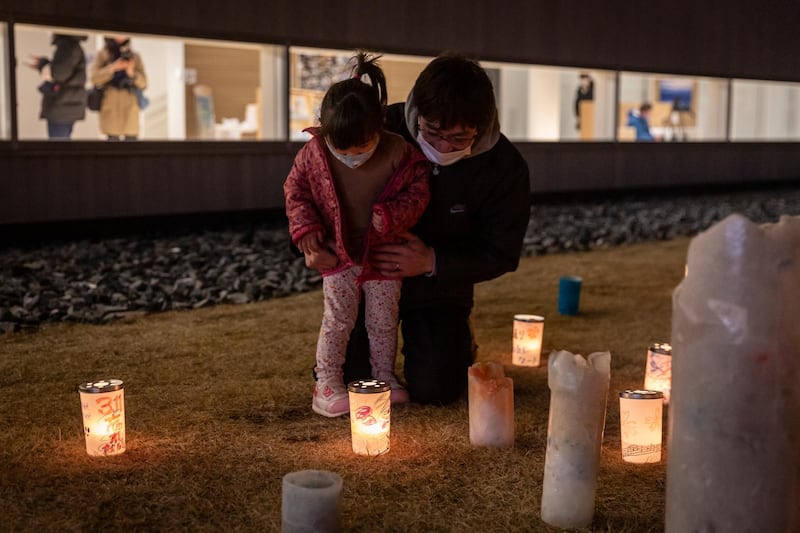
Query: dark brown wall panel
x=713, y=37
x=58, y=186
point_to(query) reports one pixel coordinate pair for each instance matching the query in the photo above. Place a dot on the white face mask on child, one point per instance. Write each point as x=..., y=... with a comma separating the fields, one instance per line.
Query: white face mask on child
x=352, y=161
x=442, y=159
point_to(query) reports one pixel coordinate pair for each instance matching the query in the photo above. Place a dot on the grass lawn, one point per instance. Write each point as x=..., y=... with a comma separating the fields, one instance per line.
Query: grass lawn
x=218, y=409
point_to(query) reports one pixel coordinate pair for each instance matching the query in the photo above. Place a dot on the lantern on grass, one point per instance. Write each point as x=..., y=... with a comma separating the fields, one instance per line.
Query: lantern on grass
x=658, y=374
x=103, y=408
x=640, y=414
x=370, y=412
x=310, y=501
x=527, y=345
x=491, y=406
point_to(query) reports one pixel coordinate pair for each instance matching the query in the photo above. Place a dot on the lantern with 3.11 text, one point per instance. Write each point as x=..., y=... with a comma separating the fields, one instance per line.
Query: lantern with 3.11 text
x=103, y=407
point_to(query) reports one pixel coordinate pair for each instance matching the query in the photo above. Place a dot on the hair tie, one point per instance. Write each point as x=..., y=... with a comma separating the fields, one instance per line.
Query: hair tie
x=357, y=76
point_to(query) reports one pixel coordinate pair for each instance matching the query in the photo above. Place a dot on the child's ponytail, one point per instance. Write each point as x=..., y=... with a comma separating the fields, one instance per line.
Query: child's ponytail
x=352, y=111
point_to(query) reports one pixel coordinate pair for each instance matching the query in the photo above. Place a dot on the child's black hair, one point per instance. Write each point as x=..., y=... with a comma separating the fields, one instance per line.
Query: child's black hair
x=352, y=111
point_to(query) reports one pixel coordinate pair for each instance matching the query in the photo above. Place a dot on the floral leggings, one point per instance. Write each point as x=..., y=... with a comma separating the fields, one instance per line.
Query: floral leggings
x=342, y=294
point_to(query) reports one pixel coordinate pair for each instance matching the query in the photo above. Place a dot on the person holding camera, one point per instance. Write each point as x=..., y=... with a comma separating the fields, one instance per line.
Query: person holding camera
x=119, y=71
x=62, y=84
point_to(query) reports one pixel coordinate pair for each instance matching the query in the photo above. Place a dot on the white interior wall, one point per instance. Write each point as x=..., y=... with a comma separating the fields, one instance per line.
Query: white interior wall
x=544, y=101
x=512, y=100
x=273, y=95
x=5, y=111
x=765, y=111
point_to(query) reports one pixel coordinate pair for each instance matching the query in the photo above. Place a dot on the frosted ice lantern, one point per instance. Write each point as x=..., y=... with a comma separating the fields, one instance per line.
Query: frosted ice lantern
x=578, y=393
x=734, y=424
x=491, y=406
x=310, y=502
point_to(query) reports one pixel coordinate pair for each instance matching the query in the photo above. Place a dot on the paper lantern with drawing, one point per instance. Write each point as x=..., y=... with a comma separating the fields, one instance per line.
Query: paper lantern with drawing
x=640, y=413
x=658, y=372
x=370, y=413
x=103, y=408
x=527, y=339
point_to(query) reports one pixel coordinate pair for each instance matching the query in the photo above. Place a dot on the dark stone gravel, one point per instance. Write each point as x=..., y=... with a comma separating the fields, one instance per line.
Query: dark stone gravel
x=101, y=279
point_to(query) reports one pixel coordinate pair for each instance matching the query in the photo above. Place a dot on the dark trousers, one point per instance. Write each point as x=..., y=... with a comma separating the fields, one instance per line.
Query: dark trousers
x=438, y=347
x=59, y=130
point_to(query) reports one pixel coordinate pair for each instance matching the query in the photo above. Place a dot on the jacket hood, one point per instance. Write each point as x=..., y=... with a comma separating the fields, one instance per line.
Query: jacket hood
x=488, y=135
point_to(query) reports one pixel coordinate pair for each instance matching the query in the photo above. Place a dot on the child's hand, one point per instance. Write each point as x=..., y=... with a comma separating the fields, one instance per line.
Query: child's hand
x=311, y=242
x=377, y=222
x=323, y=261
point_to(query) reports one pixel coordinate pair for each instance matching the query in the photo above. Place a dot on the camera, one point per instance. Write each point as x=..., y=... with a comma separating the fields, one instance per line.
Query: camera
x=126, y=53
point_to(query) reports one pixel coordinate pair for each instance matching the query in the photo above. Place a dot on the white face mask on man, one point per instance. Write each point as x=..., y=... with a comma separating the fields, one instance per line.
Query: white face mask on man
x=352, y=161
x=442, y=159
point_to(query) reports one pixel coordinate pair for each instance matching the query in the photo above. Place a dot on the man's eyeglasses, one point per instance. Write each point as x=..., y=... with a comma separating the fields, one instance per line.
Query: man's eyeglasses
x=459, y=142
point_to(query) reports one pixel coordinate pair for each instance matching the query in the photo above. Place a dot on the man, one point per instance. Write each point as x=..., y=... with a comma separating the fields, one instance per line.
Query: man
x=472, y=230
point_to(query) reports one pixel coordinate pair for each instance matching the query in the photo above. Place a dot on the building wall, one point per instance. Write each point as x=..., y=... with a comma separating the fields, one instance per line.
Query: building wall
x=41, y=181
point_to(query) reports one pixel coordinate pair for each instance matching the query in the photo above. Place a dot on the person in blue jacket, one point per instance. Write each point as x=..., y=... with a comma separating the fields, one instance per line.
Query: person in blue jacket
x=639, y=120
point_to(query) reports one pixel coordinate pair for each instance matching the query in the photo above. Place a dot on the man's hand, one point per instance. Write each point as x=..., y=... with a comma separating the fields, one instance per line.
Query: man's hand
x=311, y=242
x=410, y=258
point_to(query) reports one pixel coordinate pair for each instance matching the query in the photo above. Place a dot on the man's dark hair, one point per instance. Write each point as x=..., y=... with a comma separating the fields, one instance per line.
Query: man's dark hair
x=645, y=107
x=454, y=90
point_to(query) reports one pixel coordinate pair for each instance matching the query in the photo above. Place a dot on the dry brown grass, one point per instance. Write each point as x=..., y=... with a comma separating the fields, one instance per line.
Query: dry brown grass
x=218, y=410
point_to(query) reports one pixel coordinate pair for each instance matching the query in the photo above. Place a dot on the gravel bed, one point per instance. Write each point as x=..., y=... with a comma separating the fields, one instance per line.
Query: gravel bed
x=103, y=279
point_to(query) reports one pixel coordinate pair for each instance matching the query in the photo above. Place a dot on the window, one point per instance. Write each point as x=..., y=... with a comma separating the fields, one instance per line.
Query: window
x=5, y=100
x=765, y=111
x=196, y=89
x=313, y=70
x=538, y=103
x=681, y=108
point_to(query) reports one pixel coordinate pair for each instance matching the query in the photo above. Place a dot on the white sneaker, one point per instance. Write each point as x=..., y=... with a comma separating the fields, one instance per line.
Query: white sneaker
x=330, y=398
x=399, y=393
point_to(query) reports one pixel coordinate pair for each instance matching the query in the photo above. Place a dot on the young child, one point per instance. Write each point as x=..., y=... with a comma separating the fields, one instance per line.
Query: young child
x=352, y=186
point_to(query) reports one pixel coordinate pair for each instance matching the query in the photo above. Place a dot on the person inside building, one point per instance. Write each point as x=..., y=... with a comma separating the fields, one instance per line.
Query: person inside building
x=640, y=121
x=63, y=80
x=119, y=71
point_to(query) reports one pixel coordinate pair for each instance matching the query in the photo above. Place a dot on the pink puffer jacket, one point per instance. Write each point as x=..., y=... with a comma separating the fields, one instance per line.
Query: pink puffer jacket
x=312, y=203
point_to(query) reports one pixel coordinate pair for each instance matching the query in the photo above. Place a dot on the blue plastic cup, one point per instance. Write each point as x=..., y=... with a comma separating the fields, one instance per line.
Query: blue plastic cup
x=569, y=295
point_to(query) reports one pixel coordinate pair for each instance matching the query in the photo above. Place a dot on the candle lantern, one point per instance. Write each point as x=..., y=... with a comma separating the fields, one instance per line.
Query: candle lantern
x=103, y=407
x=527, y=346
x=640, y=414
x=658, y=374
x=491, y=406
x=310, y=501
x=370, y=412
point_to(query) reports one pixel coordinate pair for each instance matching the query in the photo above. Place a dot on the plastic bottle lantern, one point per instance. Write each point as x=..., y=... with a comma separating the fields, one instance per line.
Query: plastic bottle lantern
x=103, y=408
x=658, y=373
x=527, y=345
x=640, y=413
x=370, y=413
